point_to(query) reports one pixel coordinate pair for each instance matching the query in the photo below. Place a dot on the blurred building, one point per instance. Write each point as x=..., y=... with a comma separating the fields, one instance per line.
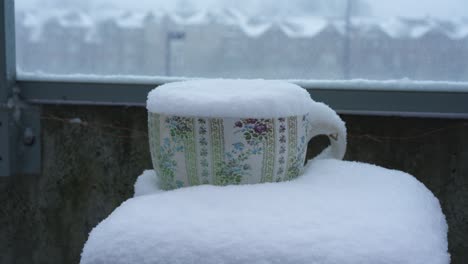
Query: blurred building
x=228, y=44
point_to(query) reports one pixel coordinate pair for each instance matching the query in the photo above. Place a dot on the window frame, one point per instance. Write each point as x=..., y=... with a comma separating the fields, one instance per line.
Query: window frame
x=361, y=97
x=27, y=93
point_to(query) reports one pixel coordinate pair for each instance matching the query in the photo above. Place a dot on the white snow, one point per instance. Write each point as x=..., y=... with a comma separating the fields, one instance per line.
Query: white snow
x=197, y=18
x=75, y=120
x=133, y=20
x=34, y=22
x=306, y=27
x=420, y=30
x=461, y=30
x=353, y=84
x=147, y=183
x=253, y=28
x=337, y=212
x=294, y=26
x=228, y=16
x=385, y=85
x=230, y=98
x=394, y=28
x=75, y=19
x=397, y=28
x=96, y=78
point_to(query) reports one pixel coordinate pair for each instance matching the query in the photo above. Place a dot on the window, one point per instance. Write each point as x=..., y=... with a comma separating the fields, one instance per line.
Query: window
x=115, y=51
x=295, y=39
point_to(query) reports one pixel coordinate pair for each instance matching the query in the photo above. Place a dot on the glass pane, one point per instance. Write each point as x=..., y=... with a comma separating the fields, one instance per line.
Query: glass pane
x=294, y=39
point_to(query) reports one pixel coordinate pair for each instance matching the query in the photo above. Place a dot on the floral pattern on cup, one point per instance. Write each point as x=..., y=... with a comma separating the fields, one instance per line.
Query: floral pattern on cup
x=235, y=165
x=254, y=137
x=282, y=148
x=168, y=164
x=203, y=142
x=189, y=151
x=255, y=131
x=180, y=127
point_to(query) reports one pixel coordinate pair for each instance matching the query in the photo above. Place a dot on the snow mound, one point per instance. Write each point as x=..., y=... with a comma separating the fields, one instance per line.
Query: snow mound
x=337, y=212
x=147, y=183
x=230, y=98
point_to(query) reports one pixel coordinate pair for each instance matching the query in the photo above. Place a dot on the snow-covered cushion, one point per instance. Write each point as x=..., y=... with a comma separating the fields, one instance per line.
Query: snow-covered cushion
x=337, y=212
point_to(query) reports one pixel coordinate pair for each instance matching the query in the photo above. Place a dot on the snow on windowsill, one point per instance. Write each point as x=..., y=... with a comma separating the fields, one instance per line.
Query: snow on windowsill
x=406, y=85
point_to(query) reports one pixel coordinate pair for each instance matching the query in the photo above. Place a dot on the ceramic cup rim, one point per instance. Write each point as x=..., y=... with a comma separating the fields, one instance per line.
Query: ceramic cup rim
x=226, y=117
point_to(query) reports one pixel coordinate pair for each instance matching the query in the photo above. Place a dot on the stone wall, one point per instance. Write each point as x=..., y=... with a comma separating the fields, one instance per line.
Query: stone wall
x=88, y=169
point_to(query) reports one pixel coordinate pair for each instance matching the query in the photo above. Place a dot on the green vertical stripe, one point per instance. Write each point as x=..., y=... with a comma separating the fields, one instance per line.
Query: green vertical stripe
x=292, y=146
x=269, y=154
x=217, y=148
x=154, y=137
x=191, y=155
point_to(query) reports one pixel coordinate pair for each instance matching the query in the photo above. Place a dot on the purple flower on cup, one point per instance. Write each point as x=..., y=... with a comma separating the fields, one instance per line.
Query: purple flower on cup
x=238, y=124
x=260, y=128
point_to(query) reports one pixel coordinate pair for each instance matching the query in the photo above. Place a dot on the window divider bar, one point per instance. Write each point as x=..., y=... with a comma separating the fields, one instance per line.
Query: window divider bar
x=7, y=78
x=7, y=50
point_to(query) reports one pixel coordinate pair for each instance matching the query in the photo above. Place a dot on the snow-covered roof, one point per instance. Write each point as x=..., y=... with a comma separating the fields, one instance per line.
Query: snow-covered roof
x=74, y=19
x=130, y=19
x=195, y=18
x=229, y=16
x=32, y=21
x=254, y=28
x=461, y=30
x=303, y=26
x=294, y=27
x=395, y=28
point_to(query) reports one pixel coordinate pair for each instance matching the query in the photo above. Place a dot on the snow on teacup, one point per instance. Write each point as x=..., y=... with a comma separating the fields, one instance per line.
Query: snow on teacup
x=235, y=131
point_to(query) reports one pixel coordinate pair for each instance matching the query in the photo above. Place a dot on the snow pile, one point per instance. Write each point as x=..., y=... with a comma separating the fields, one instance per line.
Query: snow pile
x=146, y=184
x=337, y=212
x=230, y=98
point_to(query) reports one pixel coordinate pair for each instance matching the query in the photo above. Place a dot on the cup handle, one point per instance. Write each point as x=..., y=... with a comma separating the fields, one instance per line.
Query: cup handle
x=322, y=120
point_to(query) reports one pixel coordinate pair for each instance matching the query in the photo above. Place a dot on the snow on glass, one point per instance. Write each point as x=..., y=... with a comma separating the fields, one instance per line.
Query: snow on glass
x=337, y=212
x=244, y=39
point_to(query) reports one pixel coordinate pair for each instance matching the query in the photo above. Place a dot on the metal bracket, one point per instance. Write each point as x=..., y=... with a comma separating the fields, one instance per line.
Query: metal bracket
x=20, y=146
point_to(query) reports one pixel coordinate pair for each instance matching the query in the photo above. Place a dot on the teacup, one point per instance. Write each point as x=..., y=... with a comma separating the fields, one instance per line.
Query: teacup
x=217, y=142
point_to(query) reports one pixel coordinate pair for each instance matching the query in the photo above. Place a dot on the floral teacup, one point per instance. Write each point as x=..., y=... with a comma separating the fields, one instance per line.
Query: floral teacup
x=197, y=147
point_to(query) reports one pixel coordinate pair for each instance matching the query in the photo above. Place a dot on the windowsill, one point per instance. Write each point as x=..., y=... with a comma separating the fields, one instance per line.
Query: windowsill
x=364, y=97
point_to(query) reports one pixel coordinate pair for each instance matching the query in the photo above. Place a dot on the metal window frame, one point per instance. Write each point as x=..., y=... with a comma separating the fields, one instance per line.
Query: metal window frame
x=7, y=77
x=416, y=99
x=20, y=147
x=21, y=99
